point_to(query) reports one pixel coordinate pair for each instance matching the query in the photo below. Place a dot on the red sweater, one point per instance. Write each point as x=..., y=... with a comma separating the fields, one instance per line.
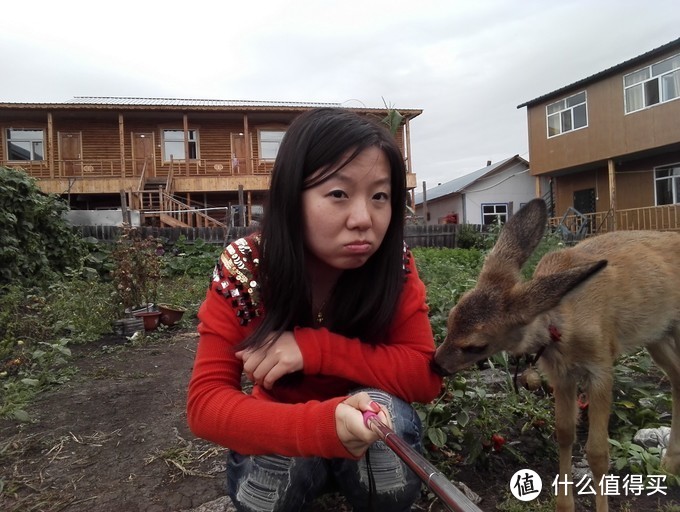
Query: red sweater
x=297, y=419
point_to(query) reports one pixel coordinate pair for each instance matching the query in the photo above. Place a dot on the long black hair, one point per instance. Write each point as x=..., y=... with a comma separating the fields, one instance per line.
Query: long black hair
x=364, y=299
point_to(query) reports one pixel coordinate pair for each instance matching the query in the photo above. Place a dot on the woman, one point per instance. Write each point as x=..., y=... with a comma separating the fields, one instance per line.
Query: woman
x=326, y=316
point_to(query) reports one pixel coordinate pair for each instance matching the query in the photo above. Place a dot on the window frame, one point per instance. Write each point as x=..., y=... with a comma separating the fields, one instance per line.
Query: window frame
x=192, y=142
x=32, y=142
x=566, y=108
x=674, y=180
x=261, y=139
x=495, y=213
x=644, y=84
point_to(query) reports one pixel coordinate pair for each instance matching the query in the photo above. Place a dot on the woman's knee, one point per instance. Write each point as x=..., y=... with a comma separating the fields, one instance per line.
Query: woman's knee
x=405, y=420
x=273, y=483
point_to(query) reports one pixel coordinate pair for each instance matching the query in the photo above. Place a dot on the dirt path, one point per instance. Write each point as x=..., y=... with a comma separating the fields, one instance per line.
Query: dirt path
x=115, y=436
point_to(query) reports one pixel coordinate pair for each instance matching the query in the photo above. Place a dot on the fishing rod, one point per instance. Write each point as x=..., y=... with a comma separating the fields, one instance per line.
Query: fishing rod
x=448, y=493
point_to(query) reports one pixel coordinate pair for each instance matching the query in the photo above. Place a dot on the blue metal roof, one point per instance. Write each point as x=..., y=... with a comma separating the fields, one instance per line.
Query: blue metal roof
x=459, y=184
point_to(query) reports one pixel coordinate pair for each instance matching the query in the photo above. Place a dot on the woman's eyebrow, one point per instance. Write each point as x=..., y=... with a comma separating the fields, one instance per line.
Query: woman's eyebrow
x=339, y=176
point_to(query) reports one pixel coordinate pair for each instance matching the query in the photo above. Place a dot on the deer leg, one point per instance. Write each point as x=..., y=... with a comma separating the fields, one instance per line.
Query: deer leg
x=565, y=431
x=667, y=357
x=597, y=446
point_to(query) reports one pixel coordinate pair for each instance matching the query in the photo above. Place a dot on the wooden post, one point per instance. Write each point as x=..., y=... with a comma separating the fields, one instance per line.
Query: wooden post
x=612, y=191
x=185, y=121
x=247, y=149
x=121, y=142
x=241, y=207
x=50, y=143
x=407, y=130
x=424, y=203
x=250, y=208
x=123, y=207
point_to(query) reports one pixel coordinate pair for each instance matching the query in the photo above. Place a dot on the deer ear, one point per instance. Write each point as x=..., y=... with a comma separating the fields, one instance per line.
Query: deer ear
x=545, y=292
x=518, y=239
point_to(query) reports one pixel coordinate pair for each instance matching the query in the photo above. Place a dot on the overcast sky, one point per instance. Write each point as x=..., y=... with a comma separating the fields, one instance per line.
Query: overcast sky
x=466, y=64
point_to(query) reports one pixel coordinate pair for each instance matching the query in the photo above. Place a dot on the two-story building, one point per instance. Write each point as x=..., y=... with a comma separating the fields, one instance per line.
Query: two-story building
x=610, y=144
x=175, y=162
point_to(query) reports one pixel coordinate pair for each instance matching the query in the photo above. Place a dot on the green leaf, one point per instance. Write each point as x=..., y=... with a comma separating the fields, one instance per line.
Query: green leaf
x=462, y=418
x=21, y=415
x=437, y=436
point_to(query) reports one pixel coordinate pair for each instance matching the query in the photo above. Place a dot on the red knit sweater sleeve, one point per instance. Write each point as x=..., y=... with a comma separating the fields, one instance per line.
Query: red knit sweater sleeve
x=219, y=411
x=400, y=366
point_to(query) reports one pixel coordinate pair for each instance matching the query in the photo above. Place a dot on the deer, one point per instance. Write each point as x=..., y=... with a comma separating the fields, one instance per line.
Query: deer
x=583, y=307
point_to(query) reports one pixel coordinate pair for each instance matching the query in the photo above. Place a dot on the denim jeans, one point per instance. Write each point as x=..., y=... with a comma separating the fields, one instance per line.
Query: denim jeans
x=274, y=483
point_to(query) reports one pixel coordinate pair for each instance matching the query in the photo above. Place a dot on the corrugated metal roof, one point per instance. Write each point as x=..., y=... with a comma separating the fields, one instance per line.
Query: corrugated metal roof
x=188, y=102
x=169, y=104
x=457, y=185
x=607, y=72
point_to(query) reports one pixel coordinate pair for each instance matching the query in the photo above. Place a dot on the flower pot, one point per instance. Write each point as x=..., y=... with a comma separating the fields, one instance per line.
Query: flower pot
x=170, y=314
x=151, y=319
x=142, y=308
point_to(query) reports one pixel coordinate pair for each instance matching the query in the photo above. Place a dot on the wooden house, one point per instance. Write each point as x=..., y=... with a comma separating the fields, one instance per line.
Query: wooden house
x=610, y=145
x=174, y=162
x=487, y=195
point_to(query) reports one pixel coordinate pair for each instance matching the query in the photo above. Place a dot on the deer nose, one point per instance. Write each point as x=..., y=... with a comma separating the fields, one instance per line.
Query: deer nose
x=436, y=368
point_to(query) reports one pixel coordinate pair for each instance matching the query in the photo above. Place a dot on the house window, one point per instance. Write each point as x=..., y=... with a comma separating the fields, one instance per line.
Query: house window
x=173, y=144
x=654, y=84
x=270, y=140
x=23, y=145
x=667, y=184
x=494, y=213
x=567, y=114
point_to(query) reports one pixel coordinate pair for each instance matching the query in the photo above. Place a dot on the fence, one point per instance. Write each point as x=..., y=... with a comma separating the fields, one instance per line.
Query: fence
x=442, y=235
x=438, y=235
x=210, y=235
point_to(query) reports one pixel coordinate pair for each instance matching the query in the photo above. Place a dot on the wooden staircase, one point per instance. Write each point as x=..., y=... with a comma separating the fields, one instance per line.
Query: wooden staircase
x=158, y=207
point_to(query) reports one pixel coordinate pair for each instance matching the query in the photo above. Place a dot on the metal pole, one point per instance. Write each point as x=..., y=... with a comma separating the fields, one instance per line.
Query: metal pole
x=450, y=495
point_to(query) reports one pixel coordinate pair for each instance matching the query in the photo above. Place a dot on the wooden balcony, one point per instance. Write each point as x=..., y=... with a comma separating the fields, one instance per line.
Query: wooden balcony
x=117, y=168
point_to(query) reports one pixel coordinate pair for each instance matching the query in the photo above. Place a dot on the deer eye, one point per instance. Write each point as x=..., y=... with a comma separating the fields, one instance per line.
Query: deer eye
x=474, y=349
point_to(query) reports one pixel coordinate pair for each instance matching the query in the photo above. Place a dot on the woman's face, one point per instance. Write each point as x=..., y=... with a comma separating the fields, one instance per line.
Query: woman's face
x=346, y=217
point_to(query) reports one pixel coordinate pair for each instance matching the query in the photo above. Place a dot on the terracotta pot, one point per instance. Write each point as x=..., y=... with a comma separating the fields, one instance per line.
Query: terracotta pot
x=151, y=319
x=170, y=314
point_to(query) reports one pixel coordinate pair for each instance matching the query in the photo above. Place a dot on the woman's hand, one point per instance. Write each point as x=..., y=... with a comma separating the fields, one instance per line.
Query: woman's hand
x=349, y=423
x=269, y=363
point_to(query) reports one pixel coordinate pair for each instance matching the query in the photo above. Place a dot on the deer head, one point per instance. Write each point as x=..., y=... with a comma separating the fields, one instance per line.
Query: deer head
x=490, y=318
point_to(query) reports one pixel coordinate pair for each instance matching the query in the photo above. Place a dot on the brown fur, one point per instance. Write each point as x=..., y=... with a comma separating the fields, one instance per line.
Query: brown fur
x=606, y=296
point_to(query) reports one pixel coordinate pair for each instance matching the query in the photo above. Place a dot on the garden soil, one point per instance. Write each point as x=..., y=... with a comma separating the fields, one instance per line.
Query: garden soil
x=114, y=438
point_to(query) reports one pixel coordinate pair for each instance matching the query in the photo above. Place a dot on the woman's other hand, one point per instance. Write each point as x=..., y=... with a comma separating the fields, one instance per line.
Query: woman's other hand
x=349, y=423
x=269, y=363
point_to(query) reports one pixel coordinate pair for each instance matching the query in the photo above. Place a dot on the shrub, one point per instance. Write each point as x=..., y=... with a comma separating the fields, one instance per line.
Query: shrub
x=35, y=240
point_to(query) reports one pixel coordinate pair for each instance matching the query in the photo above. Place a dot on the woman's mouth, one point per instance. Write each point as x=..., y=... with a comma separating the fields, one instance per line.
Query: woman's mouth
x=358, y=247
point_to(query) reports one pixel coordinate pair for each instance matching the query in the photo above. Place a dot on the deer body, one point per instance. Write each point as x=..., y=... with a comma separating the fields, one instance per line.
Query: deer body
x=584, y=306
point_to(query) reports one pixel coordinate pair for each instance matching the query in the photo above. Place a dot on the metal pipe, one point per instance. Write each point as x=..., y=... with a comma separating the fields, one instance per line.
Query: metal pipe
x=450, y=495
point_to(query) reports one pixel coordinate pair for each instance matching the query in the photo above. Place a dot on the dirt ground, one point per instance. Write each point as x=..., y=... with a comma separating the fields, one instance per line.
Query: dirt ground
x=114, y=438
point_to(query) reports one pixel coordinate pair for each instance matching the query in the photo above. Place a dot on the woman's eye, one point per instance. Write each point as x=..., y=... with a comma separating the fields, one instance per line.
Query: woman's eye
x=338, y=194
x=381, y=196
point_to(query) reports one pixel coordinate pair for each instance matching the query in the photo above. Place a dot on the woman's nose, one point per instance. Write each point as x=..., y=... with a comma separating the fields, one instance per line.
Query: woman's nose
x=359, y=216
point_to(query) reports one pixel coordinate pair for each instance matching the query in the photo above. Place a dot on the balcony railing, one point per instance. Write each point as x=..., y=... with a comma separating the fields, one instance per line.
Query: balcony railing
x=112, y=168
x=658, y=218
